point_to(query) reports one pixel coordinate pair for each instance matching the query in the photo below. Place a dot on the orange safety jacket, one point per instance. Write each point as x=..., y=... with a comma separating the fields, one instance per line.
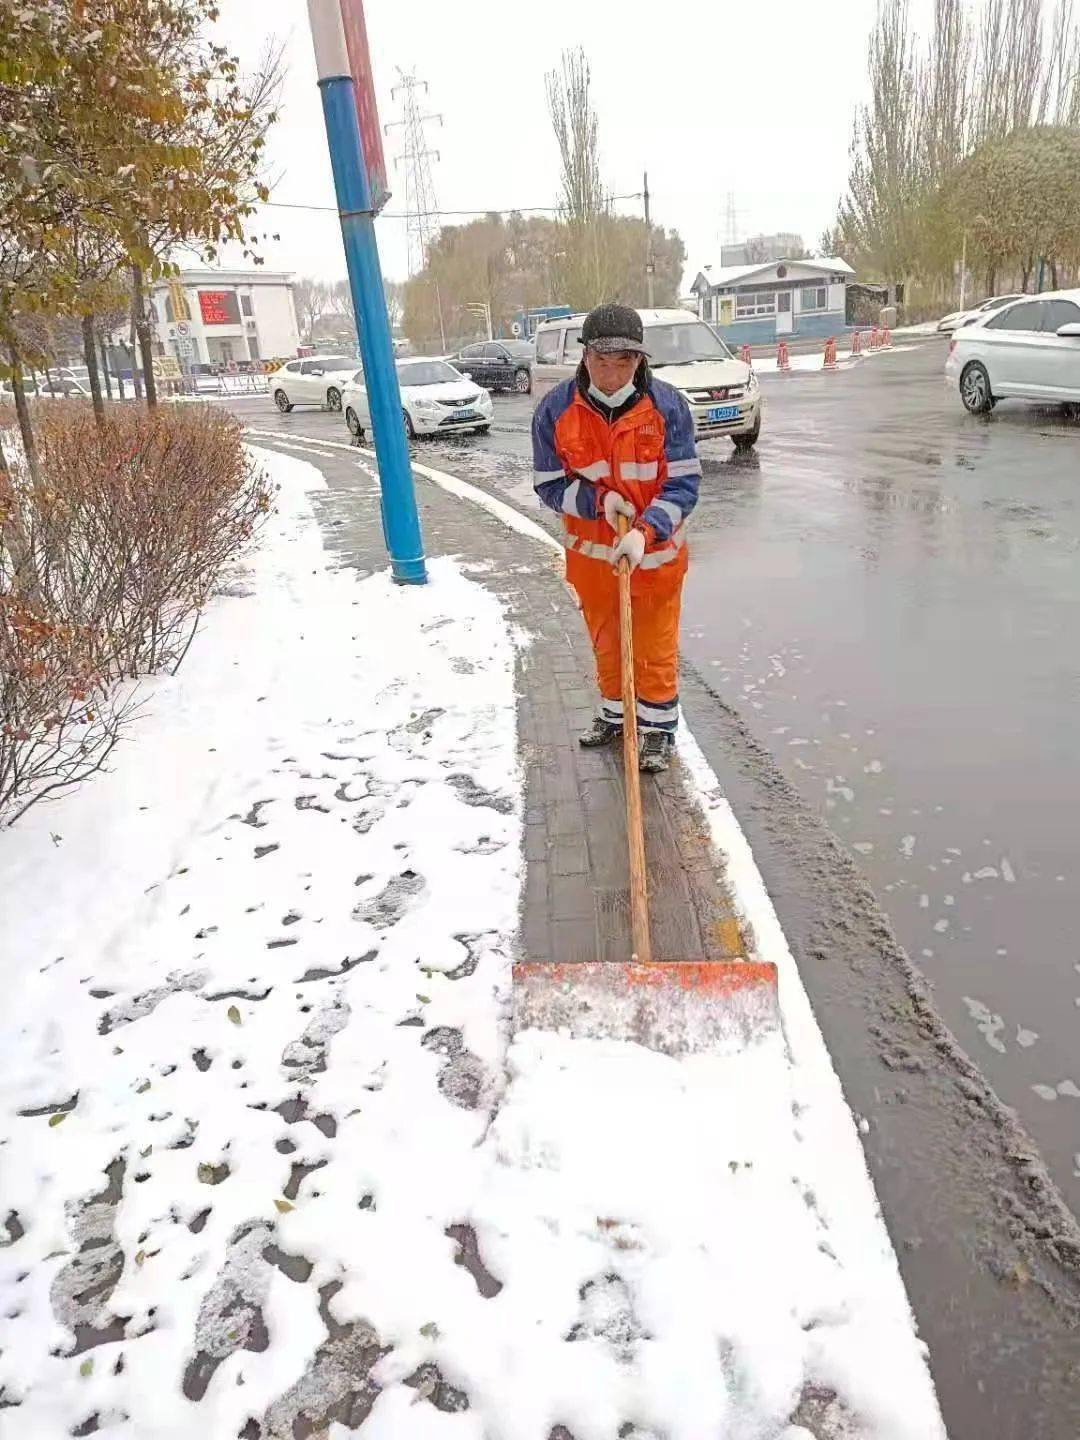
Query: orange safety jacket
x=645, y=452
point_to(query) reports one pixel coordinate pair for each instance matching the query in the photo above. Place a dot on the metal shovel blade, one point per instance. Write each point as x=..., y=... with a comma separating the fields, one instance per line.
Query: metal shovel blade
x=677, y=1007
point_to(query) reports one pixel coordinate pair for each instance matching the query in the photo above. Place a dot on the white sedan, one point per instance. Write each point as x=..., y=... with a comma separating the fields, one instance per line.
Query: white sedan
x=948, y=324
x=1029, y=350
x=435, y=399
x=318, y=380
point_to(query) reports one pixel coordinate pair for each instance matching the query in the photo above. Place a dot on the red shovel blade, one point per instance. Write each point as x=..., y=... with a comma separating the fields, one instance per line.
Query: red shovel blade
x=678, y=1007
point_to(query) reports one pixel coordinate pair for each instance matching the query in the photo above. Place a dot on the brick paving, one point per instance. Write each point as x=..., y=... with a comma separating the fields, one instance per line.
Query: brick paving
x=576, y=900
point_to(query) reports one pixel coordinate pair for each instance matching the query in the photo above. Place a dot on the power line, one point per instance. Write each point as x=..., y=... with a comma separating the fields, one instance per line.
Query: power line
x=407, y=214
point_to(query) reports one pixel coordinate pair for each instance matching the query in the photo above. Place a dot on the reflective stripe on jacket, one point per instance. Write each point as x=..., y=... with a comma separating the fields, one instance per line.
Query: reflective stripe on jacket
x=647, y=454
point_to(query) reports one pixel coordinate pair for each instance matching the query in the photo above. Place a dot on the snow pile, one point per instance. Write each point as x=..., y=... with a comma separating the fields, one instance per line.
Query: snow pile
x=268, y=1165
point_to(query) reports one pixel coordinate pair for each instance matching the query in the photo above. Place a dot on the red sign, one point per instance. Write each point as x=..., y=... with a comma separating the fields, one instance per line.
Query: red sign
x=219, y=307
x=367, y=114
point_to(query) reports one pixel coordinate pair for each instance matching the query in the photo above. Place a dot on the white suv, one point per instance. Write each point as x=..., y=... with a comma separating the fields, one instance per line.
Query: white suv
x=723, y=392
x=1030, y=350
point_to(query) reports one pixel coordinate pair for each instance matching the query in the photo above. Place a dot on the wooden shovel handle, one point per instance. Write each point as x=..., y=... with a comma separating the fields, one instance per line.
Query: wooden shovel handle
x=635, y=830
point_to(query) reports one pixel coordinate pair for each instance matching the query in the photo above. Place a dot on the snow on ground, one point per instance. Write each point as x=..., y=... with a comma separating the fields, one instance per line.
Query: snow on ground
x=266, y=1162
x=815, y=360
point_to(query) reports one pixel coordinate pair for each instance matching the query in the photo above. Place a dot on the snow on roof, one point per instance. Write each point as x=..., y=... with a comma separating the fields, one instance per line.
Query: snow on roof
x=716, y=276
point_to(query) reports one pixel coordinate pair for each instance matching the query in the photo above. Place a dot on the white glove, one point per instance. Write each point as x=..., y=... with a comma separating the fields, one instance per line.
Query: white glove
x=615, y=504
x=631, y=547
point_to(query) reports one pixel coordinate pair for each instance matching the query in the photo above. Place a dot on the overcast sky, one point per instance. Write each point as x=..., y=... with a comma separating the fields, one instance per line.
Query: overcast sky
x=755, y=98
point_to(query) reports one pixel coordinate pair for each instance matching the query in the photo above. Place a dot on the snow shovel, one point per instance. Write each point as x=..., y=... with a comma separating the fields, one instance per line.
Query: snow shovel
x=678, y=1007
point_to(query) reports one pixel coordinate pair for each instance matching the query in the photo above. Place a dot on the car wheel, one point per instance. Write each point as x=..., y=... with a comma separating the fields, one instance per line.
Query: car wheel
x=410, y=428
x=523, y=382
x=975, y=389
x=282, y=401
x=746, y=442
x=333, y=398
x=352, y=420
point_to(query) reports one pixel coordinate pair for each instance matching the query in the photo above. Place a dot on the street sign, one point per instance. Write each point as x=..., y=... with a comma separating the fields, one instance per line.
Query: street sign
x=183, y=330
x=166, y=367
x=367, y=114
x=515, y=328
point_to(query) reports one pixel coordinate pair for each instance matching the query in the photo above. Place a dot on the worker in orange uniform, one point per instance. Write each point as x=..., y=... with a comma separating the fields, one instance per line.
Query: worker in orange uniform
x=615, y=441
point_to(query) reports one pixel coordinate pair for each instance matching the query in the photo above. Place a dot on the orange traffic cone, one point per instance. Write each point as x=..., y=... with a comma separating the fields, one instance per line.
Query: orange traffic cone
x=875, y=339
x=856, y=343
x=886, y=338
x=783, y=359
x=830, y=355
x=744, y=355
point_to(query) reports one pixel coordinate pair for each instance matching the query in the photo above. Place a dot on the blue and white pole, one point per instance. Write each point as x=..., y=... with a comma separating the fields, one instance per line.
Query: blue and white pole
x=401, y=524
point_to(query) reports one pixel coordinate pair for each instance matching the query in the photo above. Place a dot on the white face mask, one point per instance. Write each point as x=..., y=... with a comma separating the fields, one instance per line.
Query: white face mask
x=613, y=402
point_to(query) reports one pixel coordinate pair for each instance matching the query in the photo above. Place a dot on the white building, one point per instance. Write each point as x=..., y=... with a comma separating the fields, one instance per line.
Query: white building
x=225, y=316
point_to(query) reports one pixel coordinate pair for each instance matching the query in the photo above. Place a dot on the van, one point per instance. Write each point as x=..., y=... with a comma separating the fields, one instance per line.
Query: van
x=723, y=393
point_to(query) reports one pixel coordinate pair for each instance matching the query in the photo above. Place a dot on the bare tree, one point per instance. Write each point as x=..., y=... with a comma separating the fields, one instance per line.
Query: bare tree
x=1010, y=67
x=880, y=217
x=575, y=124
x=1060, y=95
x=312, y=299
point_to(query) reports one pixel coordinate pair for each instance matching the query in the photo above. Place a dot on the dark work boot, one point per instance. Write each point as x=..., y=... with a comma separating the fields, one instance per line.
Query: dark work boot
x=655, y=752
x=601, y=732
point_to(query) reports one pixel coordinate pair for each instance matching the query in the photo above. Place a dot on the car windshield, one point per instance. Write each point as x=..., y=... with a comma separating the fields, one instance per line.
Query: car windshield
x=683, y=344
x=427, y=372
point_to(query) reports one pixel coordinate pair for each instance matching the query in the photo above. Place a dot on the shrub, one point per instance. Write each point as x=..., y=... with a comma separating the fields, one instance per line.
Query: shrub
x=105, y=567
x=136, y=519
x=59, y=717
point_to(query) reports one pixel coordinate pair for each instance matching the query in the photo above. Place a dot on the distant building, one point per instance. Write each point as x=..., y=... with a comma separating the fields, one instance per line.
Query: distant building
x=757, y=249
x=755, y=304
x=215, y=317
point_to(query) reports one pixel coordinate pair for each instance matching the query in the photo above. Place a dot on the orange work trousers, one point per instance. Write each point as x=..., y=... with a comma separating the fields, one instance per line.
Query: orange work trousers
x=656, y=606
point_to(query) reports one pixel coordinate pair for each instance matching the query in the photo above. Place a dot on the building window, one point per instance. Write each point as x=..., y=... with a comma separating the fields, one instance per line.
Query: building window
x=749, y=306
x=814, y=298
x=245, y=304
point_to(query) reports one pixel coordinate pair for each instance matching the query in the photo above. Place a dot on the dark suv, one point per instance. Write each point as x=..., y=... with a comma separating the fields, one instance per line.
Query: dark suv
x=498, y=364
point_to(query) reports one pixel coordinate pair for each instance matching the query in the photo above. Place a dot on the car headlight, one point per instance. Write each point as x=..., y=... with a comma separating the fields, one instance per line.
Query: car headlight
x=428, y=405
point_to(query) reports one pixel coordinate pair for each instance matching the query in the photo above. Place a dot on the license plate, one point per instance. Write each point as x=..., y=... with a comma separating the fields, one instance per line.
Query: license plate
x=463, y=415
x=724, y=412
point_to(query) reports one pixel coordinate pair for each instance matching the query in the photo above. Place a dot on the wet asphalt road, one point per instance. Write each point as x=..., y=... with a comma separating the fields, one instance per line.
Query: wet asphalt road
x=888, y=592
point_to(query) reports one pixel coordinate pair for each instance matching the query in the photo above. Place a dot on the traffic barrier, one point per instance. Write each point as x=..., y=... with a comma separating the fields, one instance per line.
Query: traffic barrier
x=744, y=355
x=886, y=338
x=783, y=359
x=875, y=339
x=830, y=355
x=241, y=384
x=856, y=343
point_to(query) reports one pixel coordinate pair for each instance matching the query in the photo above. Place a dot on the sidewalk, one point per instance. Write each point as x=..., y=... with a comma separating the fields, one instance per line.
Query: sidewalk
x=271, y=1163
